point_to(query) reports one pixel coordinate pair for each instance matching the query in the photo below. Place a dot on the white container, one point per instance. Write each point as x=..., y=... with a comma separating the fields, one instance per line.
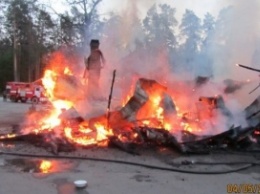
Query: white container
x=80, y=183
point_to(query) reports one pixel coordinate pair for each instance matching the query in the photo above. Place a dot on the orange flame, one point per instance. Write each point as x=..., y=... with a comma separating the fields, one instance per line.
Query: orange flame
x=7, y=136
x=83, y=140
x=67, y=71
x=52, y=120
x=153, y=114
x=87, y=136
x=45, y=166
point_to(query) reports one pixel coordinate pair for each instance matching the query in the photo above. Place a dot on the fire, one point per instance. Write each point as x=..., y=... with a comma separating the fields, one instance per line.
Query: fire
x=83, y=140
x=126, y=100
x=130, y=92
x=82, y=135
x=62, y=104
x=7, y=136
x=153, y=112
x=102, y=132
x=45, y=166
x=86, y=136
x=52, y=120
x=67, y=71
x=156, y=100
x=146, y=122
x=186, y=127
x=167, y=126
x=158, y=115
x=49, y=83
x=158, y=109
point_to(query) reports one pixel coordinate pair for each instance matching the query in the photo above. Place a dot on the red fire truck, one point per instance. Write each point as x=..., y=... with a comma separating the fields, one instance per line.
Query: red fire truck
x=22, y=91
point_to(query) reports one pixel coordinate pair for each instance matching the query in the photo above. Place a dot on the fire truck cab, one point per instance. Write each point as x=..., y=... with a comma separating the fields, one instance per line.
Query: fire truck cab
x=22, y=91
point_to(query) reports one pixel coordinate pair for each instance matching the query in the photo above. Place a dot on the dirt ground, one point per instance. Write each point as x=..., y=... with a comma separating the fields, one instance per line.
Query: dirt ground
x=20, y=175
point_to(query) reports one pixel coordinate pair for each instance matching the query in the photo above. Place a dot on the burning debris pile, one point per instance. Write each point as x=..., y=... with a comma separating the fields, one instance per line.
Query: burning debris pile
x=149, y=118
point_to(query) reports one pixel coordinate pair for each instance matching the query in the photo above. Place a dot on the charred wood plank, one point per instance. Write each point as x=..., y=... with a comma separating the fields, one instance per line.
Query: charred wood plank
x=187, y=136
x=128, y=147
x=48, y=141
x=57, y=144
x=161, y=137
x=235, y=138
x=217, y=140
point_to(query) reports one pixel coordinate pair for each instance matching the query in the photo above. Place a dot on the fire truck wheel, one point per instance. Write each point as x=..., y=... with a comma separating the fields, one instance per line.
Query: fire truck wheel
x=35, y=100
x=13, y=99
x=23, y=100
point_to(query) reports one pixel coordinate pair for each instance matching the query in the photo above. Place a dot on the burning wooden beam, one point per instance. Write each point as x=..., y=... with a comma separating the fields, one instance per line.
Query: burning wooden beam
x=148, y=94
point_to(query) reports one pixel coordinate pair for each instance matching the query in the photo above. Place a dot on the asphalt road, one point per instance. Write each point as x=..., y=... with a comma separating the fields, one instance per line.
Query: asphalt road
x=18, y=175
x=12, y=113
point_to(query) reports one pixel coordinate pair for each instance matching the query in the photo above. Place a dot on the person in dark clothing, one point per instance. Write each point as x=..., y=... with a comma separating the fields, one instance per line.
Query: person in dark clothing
x=94, y=63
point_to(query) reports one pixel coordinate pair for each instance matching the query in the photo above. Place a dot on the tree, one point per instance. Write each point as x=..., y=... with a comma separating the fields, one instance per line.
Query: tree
x=220, y=51
x=159, y=25
x=2, y=6
x=160, y=42
x=84, y=15
x=6, y=62
x=204, y=60
x=18, y=24
x=191, y=33
x=43, y=27
x=67, y=32
x=29, y=29
x=111, y=36
x=191, y=30
x=208, y=28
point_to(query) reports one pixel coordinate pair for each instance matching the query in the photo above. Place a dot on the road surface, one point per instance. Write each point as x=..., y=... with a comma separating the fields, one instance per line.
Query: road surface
x=19, y=175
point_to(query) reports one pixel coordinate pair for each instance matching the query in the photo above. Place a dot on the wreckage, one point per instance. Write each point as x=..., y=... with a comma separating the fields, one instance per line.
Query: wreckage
x=149, y=118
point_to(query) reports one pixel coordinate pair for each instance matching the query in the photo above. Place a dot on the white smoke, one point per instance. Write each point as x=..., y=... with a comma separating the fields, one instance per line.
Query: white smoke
x=234, y=42
x=238, y=37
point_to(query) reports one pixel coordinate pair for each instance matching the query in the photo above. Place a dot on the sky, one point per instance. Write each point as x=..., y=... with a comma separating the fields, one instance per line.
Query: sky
x=200, y=7
x=242, y=27
x=242, y=30
x=246, y=11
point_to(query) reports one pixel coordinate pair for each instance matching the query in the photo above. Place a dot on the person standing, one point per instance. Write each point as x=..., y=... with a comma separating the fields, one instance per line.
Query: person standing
x=94, y=63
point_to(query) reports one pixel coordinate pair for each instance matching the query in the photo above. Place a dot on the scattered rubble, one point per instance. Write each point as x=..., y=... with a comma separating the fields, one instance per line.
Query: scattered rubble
x=129, y=132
